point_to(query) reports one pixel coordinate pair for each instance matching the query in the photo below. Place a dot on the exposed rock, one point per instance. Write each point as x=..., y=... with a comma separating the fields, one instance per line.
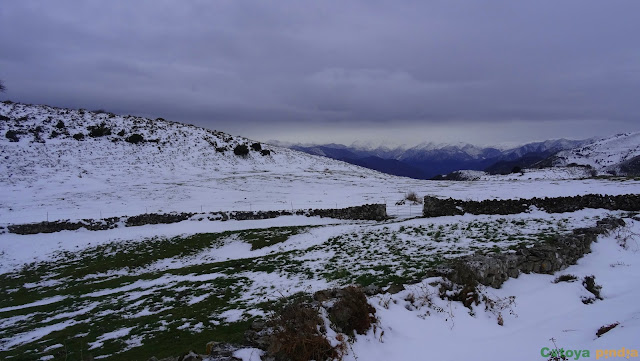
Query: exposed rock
x=190, y=356
x=371, y=290
x=258, y=325
x=220, y=351
x=259, y=339
x=393, y=289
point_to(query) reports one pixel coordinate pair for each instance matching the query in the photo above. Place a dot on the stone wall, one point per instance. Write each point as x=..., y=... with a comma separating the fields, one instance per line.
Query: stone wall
x=371, y=212
x=549, y=257
x=435, y=207
x=376, y=212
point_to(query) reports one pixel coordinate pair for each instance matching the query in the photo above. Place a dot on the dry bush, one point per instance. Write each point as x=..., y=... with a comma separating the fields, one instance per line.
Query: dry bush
x=297, y=334
x=565, y=278
x=413, y=197
x=352, y=313
x=589, y=283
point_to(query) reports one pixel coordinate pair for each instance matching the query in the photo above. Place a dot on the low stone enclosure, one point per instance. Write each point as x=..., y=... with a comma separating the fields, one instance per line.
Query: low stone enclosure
x=436, y=207
x=548, y=257
x=374, y=212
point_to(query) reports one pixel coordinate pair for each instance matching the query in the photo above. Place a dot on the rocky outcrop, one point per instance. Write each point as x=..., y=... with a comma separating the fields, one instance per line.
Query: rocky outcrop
x=376, y=212
x=552, y=256
x=436, y=207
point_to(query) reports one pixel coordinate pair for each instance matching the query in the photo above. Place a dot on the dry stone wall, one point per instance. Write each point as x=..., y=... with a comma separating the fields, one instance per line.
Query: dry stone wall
x=374, y=212
x=549, y=257
x=436, y=207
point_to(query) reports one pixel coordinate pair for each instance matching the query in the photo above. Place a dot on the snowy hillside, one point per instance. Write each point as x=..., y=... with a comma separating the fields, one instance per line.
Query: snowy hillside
x=604, y=155
x=43, y=164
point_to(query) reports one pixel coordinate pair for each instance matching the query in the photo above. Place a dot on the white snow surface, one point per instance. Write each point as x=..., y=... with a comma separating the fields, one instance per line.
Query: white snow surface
x=63, y=178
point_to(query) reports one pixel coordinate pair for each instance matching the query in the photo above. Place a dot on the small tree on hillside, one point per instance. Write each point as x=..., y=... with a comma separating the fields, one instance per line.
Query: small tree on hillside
x=2, y=88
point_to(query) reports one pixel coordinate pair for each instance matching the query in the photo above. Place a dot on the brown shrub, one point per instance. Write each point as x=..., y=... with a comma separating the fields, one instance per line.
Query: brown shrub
x=296, y=334
x=352, y=313
x=412, y=197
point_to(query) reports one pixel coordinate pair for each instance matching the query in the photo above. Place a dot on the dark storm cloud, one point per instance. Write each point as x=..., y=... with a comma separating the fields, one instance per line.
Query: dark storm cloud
x=253, y=66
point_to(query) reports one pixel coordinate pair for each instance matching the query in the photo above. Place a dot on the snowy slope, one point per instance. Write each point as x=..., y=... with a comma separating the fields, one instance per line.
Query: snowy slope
x=44, y=177
x=605, y=154
x=47, y=168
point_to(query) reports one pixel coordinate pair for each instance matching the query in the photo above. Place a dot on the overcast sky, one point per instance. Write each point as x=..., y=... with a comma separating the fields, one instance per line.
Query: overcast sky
x=398, y=72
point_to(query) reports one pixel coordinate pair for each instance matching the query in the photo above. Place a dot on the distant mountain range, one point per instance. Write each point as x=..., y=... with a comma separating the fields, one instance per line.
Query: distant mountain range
x=428, y=160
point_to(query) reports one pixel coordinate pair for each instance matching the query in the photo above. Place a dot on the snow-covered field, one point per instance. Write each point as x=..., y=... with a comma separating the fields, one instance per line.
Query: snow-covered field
x=113, y=291
x=132, y=292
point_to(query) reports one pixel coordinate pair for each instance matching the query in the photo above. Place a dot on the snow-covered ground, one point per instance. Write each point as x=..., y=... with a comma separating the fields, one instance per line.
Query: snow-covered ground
x=542, y=310
x=113, y=293
x=135, y=279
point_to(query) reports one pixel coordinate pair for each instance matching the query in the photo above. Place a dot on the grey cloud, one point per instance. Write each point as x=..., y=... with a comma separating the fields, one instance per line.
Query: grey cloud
x=250, y=67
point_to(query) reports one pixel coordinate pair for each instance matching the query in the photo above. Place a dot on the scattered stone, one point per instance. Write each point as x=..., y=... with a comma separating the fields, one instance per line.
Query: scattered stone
x=190, y=356
x=393, y=289
x=371, y=290
x=220, y=351
x=258, y=325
